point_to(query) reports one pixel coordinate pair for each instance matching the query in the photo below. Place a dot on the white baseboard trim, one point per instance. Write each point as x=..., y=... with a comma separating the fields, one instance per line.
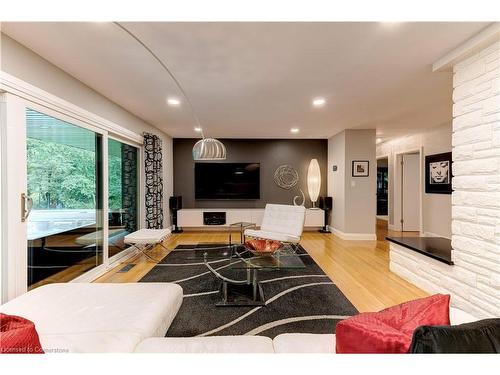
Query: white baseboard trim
x=355, y=236
x=392, y=227
x=386, y=218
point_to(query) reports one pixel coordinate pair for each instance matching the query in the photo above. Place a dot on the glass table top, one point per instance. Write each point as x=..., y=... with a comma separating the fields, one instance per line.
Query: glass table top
x=286, y=258
x=236, y=256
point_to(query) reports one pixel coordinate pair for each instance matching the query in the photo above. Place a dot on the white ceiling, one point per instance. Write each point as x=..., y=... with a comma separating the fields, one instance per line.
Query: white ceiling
x=257, y=80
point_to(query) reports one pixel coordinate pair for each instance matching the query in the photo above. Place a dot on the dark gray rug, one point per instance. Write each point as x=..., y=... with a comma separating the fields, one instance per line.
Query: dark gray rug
x=299, y=300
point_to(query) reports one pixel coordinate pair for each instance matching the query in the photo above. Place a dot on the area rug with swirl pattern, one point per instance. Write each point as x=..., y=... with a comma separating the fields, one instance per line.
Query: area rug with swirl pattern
x=301, y=300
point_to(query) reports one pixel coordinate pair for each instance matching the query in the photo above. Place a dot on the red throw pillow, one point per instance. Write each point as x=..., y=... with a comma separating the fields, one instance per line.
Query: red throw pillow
x=391, y=330
x=264, y=246
x=18, y=336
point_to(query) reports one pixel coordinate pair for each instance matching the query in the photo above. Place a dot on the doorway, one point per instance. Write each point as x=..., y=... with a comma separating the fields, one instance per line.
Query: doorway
x=382, y=188
x=410, y=191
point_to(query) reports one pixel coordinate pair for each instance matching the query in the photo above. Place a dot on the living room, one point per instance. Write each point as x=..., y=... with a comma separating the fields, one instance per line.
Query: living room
x=250, y=187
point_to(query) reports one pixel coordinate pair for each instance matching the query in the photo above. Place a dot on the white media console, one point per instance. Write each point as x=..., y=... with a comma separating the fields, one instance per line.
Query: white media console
x=193, y=217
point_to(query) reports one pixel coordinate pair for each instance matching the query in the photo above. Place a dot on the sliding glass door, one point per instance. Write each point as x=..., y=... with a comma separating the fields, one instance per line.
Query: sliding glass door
x=69, y=193
x=123, y=193
x=65, y=190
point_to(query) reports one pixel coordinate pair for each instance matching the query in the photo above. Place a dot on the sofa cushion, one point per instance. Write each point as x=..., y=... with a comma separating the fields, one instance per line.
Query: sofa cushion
x=477, y=337
x=391, y=330
x=91, y=342
x=304, y=343
x=80, y=314
x=18, y=336
x=212, y=344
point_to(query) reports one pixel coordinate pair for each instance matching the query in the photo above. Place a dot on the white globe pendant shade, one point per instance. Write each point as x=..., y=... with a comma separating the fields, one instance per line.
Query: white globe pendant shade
x=313, y=181
x=209, y=149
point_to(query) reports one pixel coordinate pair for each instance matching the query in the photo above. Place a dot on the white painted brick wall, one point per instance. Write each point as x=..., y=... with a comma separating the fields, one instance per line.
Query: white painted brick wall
x=474, y=280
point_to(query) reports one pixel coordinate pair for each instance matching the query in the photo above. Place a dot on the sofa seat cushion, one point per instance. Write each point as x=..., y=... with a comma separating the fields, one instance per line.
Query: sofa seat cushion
x=282, y=237
x=391, y=330
x=91, y=342
x=304, y=343
x=87, y=310
x=213, y=344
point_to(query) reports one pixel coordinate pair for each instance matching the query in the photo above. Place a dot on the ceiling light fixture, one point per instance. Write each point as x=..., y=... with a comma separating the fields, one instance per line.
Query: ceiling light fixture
x=294, y=130
x=379, y=140
x=319, y=102
x=173, y=102
x=197, y=129
x=206, y=148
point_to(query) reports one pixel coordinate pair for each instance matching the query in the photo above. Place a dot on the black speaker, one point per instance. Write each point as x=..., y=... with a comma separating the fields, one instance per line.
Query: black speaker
x=326, y=204
x=175, y=204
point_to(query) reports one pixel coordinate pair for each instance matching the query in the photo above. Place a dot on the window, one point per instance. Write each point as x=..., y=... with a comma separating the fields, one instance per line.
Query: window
x=123, y=193
x=65, y=226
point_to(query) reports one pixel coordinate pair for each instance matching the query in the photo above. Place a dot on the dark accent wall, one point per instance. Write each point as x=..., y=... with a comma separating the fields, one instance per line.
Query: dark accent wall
x=270, y=153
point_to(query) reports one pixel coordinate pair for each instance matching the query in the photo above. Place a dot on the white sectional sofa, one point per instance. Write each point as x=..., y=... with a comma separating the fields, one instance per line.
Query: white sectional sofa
x=78, y=317
x=314, y=343
x=82, y=317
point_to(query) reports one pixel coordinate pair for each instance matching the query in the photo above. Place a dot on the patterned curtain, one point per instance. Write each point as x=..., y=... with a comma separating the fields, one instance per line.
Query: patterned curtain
x=129, y=187
x=154, y=181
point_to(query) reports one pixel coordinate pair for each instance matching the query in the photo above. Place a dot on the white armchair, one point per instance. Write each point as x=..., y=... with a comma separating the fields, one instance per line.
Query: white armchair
x=281, y=222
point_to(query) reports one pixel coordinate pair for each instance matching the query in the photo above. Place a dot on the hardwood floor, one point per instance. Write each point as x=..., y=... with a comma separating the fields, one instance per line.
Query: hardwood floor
x=359, y=268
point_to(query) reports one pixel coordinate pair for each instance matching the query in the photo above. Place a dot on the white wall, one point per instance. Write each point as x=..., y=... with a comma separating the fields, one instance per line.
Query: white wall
x=354, y=198
x=336, y=180
x=436, y=208
x=474, y=280
x=361, y=197
x=24, y=64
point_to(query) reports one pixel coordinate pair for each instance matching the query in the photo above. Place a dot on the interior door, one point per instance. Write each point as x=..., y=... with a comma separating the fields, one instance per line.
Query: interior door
x=410, y=192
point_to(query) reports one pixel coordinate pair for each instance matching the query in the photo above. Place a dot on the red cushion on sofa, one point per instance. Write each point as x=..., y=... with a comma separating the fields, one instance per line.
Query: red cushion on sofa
x=18, y=335
x=391, y=330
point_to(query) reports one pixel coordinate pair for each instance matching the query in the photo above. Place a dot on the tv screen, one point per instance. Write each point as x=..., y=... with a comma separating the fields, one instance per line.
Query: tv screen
x=227, y=180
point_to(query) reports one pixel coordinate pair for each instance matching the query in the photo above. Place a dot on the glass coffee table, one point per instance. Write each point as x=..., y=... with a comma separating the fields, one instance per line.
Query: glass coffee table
x=240, y=226
x=239, y=271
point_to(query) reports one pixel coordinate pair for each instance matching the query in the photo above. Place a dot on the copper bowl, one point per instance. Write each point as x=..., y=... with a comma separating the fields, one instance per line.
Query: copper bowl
x=263, y=247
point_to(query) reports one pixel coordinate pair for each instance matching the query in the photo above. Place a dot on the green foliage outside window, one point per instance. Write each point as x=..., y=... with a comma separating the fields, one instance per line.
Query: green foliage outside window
x=64, y=177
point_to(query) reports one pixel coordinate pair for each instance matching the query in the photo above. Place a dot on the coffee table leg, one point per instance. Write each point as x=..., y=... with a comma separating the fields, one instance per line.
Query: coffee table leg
x=255, y=285
x=224, y=291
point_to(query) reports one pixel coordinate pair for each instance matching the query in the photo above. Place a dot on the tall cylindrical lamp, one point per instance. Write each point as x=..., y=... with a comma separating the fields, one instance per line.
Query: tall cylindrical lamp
x=313, y=181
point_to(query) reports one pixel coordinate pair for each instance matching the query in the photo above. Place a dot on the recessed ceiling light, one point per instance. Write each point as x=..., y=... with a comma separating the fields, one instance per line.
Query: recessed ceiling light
x=319, y=102
x=197, y=129
x=379, y=140
x=174, y=102
x=294, y=130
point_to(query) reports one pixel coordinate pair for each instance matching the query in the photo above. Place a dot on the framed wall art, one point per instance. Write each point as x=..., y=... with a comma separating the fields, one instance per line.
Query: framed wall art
x=360, y=168
x=438, y=173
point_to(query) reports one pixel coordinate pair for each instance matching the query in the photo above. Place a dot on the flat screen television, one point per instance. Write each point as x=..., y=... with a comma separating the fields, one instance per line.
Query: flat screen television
x=227, y=180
